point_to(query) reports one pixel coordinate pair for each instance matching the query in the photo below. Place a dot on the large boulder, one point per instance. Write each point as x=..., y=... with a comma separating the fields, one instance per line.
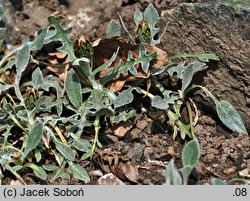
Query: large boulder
x=223, y=29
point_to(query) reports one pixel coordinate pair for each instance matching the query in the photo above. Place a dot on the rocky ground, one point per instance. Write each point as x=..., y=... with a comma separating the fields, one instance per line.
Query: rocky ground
x=198, y=26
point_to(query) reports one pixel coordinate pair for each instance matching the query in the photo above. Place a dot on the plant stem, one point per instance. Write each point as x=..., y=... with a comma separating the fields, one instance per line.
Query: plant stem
x=18, y=123
x=190, y=119
x=96, y=140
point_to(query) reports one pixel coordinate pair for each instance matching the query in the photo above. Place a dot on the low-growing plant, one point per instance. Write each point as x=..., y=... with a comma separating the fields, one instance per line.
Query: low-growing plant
x=190, y=156
x=98, y=88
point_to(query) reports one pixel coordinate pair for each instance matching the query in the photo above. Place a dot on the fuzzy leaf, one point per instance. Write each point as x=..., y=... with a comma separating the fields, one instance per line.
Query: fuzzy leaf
x=123, y=116
x=125, y=97
x=37, y=78
x=99, y=103
x=32, y=140
x=78, y=172
x=39, y=171
x=230, y=117
x=37, y=43
x=191, y=153
x=201, y=57
x=162, y=103
x=58, y=172
x=62, y=35
x=124, y=68
x=114, y=29
x=172, y=175
x=151, y=16
x=138, y=17
x=188, y=73
x=22, y=60
x=65, y=150
x=73, y=89
x=218, y=181
x=186, y=171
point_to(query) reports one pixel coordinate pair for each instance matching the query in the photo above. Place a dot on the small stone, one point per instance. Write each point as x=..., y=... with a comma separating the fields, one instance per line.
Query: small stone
x=239, y=145
x=135, y=152
x=95, y=173
x=229, y=170
x=110, y=179
x=215, y=165
x=142, y=124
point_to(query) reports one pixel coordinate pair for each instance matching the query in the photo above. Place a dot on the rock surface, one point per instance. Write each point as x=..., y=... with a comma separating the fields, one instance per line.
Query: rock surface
x=220, y=28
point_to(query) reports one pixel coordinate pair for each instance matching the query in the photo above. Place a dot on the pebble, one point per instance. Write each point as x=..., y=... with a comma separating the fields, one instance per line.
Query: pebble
x=135, y=152
x=215, y=165
x=142, y=124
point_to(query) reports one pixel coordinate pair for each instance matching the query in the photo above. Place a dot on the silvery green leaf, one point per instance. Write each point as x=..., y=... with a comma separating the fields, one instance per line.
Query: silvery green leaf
x=114, y=29
x=151, y=16
x=38, y=42
x=39, y=171
x=218, y=181
x=177, y=68
x=65, y=150
x=138, y=17
x=162, y=103
x=22, y=60
x=125, y=97
x=123, y=116
x=124, y=68
x=186, y=78
x=73, y=89
x=201, y=57
x=99, y=103
x=188, y=73
x=230, y=117
x=78, y=172
x=62, y=35
x=58, y=172
x=191, y=153
x=186, y=171
x=37, y=78
x=185, y=130
x=172, y=175
x=32, y=140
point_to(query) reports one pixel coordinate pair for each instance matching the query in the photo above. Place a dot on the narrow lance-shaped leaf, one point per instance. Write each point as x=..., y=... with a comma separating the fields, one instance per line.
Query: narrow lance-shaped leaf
x=37, y=43
x=65, y=150
x=78, y=172
x=39, y=171
x=33, y=139
x=22, y=60
x=73, y=89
